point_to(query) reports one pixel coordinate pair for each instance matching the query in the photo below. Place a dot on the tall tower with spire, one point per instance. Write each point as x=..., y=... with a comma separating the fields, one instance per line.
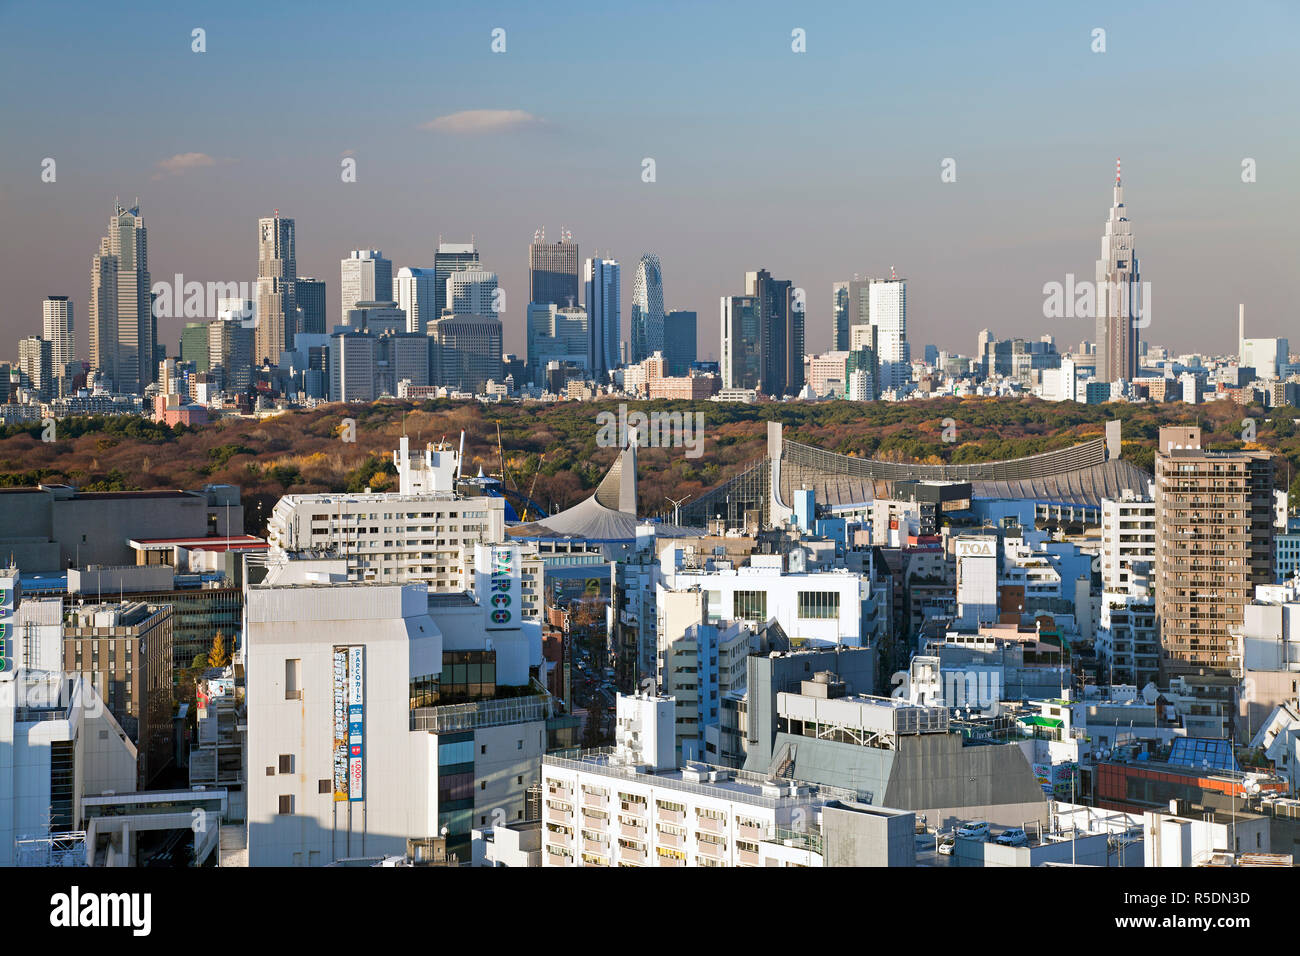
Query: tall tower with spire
x=1118, y=294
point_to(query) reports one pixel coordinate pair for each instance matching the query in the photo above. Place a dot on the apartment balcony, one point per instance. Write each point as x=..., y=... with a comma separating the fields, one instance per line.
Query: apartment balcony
x=712, y=850
x=708, y=824
x=631, y=855
x=672, y=816
x=670, y=840
x=557, y=816
x=635, y=832
x=559, y=839
x=594, y=801
x=750, y=834
x=670, y=861
x=596, y=847
x=746, y=858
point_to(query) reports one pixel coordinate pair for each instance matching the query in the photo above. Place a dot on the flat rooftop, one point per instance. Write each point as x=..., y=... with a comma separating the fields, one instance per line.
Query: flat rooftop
x=738, y=785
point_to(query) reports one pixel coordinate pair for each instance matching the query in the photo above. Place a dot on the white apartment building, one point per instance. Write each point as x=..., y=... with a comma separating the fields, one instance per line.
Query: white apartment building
x=395, y=538
x=820, y=605
x=1128, y=644
x=625, y=807
x=1030, y=568
x=1128, y=536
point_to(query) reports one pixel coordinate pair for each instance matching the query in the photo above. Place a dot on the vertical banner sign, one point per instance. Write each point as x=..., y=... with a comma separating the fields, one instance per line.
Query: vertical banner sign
x=8, y=603
x=356, y=704
x=340, y=723
x=499, y=578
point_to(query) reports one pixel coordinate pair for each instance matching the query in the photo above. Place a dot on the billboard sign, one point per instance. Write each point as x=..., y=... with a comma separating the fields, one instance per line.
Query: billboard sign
x=498, y=585
x=356, y=722
x=340, y=665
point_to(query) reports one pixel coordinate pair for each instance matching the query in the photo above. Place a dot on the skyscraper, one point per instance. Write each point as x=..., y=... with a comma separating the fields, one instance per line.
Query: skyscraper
x=781, y=334
x=309, y=296
x=471, y=292
x=888, y=312
x=37, y=365
x=840, y=317
x=601, y=277
x=646, y=320
x=1118, y=298
x=122, y=330
x=416, y=295
x=450, y=257
x=57, y=329
x=680, y=342
x=366, y=276
x=741, y=342
x=277, y=271
x=469, y=351
x=553, y=270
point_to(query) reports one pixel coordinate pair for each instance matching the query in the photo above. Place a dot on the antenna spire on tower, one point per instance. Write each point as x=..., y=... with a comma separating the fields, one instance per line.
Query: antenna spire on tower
x=1117, y=170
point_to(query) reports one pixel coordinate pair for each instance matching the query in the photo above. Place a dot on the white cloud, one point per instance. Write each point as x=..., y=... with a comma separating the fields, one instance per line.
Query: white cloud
x=183, y=162
x=481, y=121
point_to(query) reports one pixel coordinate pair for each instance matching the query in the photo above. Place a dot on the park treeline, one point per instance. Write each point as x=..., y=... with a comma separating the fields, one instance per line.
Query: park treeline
x=552, y=450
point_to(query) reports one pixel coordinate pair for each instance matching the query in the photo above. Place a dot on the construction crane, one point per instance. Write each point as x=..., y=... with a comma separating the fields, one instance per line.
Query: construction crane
x=531, y=488
x=502, y=455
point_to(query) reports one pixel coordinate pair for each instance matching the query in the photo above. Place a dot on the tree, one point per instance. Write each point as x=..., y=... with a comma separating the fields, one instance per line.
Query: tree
x=218, y=656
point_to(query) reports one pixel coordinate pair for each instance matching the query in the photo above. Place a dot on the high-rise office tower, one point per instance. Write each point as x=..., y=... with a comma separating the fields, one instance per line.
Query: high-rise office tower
x=741, y=342
x=471, y=292
x=646, y=319
x=888, y=305
x=680, y=329
x=1118, y=295
x=277, y=271
x=57, y=329
x=555, y=334
x=417, y=295
x=601, y=277
x=194, y=345
x=36, y=364
x=366, y=277
x=309, y=296
x=230, y=352
x=1214, y=543
x=469, y=351
x=840, y=317
x=553, y=270
x=781, y=333
x=450, y=257
x=122, y=329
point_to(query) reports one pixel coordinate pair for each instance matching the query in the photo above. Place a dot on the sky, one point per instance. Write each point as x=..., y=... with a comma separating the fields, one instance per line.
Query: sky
x=815, y=165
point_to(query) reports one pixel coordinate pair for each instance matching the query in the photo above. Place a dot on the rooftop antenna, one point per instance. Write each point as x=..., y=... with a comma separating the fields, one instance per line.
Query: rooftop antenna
x=892, y=273
x=1117, y=167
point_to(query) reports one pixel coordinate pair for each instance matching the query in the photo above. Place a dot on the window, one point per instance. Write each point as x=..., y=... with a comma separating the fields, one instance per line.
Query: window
x=286, y=804
x=286, y=763
x=819, y=605
x=270, y=771
x=324, y=786
x=750, y=605
x=293, y=679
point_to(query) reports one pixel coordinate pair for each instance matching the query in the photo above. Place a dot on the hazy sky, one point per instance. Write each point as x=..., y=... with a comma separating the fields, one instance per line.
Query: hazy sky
x=813, y=165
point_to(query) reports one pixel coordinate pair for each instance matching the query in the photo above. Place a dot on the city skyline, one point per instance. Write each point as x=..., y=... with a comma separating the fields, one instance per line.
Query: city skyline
x=1027, y=186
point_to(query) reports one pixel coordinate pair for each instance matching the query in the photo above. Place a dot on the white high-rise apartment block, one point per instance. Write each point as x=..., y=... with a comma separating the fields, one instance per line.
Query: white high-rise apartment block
x=416, y=295
x=1128, y=536
x=58, y=330
x=394, y=538
x=471, y=292
x=1268, y=357
x=604, y=326
x=888, y=306
x=365, y=276
x=277, y=271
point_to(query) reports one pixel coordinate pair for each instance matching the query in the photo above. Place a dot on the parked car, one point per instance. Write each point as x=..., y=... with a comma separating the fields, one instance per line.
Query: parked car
x=1013, y=837
x=946, y=845
x=974, y=831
